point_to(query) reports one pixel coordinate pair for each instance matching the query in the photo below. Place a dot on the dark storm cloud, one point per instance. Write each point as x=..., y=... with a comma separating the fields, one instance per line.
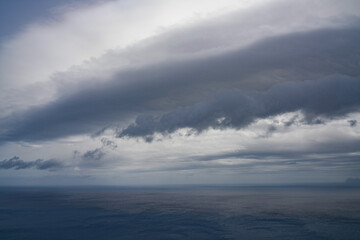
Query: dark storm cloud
x=16, y=163
x=165, y=86
x=329, y=97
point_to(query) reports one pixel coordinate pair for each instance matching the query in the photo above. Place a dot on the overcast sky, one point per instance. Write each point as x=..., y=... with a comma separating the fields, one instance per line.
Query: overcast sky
x=123, y=92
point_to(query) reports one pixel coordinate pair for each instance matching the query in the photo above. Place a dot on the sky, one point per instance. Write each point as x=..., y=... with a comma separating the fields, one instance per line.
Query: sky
x=140, y=92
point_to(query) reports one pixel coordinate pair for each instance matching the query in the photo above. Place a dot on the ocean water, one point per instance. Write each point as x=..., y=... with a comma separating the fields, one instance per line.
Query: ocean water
x=180, y=213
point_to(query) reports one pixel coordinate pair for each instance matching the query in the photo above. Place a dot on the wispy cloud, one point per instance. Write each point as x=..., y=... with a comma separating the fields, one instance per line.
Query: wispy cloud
x=96, y=154
x=40, y=164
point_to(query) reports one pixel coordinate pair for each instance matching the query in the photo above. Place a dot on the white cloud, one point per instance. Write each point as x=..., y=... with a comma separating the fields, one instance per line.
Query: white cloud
x=44, y=48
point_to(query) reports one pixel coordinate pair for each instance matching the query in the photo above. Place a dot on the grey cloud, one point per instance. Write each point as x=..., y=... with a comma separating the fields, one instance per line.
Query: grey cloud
x=165, y=86
x=332, y=155
x=337, y=164
x=269, y=131
x=75, y=153
x=17, y=164
x=329, y=97
x=337, y=151
x=352, y=123
x=291, y=121
x=108, y=143
x=96, y=154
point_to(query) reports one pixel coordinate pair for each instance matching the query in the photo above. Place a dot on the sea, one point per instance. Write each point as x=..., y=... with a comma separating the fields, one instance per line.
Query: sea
x=180, y=212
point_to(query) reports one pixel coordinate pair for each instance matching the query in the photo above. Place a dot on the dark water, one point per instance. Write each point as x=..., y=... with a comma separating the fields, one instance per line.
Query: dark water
x=181, y=213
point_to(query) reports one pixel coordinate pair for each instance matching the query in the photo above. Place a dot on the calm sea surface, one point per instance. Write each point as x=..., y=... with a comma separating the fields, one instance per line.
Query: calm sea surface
x=180, y=213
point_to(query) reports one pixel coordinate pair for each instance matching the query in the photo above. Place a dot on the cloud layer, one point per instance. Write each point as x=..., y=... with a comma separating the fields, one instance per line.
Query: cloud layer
x=328, y=97
x=160, y=87
x=40, y=164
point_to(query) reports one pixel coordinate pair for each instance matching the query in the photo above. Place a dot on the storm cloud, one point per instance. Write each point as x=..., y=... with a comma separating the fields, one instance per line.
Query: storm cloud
x=329, y=97
x=165, y=86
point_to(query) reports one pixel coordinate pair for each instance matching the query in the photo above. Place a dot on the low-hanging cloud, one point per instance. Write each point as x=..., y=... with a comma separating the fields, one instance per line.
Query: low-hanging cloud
x=165, y=86
x=329, y=97
x=40, y=164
